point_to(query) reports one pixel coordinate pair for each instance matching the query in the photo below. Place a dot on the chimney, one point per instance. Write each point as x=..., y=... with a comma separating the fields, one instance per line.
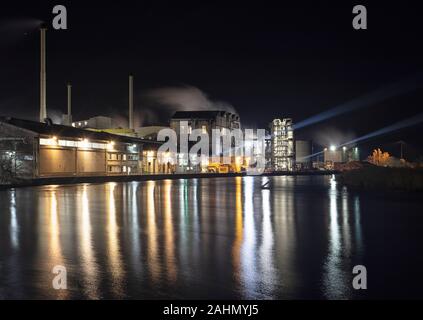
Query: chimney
x=43, y=103
x=131, y=102
x=69, y=104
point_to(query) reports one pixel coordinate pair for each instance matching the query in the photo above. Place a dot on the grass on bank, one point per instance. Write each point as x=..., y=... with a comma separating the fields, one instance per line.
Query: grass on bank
x=375, y=177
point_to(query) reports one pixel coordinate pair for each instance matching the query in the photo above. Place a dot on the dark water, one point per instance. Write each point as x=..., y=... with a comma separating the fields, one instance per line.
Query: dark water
x=210, y=238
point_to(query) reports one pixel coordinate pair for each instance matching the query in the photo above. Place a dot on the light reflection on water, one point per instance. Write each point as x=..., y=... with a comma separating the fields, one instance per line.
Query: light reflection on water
x=334, y=286
x=199, y=238
x=152, y=244
x=171, y=265
x=266, y=253
x=14, y=228
x=54, y=240
x=88, y=261
x=249, y=271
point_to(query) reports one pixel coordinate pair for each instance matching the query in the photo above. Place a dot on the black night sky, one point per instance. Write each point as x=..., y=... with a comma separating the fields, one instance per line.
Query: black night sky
x=265, y=59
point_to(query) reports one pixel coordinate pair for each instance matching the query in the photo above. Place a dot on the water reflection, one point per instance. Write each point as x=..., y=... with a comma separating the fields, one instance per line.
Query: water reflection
x=14, y=226
x=168, y=232
x=54, y=243
x=135, y=229
x=357, y=226
x=89, y=264
x=285, y=231
x=55, y=247
x=153, y=263
x=345, y=223
x=113, y=242
x=338, y=265
x=220, y=238
x=184, y=220
x=236, y=249
x=15, y=275
x=248, y=255
x=266, y=248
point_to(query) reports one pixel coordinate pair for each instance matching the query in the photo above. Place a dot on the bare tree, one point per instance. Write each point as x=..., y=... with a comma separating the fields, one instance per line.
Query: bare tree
x=7, y=172
x=10, y=164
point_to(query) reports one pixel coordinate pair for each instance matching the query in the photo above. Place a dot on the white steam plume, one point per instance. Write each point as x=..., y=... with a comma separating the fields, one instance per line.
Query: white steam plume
x=158, y=105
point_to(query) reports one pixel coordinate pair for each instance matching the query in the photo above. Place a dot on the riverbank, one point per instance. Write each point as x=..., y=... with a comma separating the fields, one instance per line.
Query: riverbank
x=383, y=178
x=149, y=177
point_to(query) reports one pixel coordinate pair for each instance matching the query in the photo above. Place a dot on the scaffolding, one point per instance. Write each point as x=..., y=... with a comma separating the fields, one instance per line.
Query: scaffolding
x=283, y=154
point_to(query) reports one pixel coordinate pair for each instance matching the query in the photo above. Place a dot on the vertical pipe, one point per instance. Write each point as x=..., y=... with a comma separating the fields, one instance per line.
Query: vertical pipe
x=43, y=103
x=131, y=102
x=69, y=104
x=402, y=156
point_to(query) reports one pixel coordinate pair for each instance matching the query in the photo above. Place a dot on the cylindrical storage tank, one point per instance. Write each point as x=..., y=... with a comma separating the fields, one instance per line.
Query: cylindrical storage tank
x=303, y=151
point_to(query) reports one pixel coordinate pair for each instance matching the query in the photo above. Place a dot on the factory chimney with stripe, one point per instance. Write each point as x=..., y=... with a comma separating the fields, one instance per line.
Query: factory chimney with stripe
x=43, y=99
x=69, y=87
x=131, y=102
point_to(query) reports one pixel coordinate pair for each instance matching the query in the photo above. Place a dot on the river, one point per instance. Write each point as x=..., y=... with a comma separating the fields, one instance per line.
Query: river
x=217, y=238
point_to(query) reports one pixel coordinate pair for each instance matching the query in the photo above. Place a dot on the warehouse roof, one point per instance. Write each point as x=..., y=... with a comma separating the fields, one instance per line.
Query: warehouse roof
x=70, y=132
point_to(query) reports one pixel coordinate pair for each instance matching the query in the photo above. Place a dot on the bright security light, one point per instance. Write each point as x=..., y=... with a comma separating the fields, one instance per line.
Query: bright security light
x=332, y=148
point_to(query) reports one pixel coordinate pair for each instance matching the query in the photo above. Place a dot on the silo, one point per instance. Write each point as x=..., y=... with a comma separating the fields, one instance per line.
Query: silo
x=303, y=150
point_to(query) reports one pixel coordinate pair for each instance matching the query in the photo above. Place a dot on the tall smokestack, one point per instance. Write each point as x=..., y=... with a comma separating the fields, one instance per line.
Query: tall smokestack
x=131, y=101
x=43, y=100
x=69, y=104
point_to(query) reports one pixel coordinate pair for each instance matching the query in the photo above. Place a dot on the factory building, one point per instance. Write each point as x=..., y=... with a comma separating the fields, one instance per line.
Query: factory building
x=303, y=152
x=149, y=132
x=107, y=124
x=282, y=145
x=98, y=122
x=334, y=155
x=67, y=118
x=268, y=152
x=39, y=150
x=206, y=121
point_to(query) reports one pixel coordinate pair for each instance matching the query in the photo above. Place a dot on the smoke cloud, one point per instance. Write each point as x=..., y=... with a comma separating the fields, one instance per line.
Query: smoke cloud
x=332, y=136
x=14, y=30
x=158, y=105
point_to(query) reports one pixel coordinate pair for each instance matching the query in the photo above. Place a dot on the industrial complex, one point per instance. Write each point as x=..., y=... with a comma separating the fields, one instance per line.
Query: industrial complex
x=98, y=147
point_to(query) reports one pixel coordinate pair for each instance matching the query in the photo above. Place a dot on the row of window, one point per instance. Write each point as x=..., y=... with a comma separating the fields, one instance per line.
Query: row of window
x=204, y=128
x=121, y=169
x=122, y=157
